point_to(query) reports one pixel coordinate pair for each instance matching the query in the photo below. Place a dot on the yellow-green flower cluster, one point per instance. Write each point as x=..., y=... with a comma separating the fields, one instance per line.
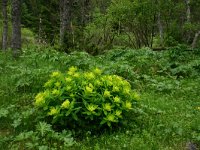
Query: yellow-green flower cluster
x=76, y=75
x=48, y=84
x=97, y=71
x=40, y=98
x=89, y=75
x=68, y=79
x=65, y=104
x=89, y=89
x=72, y=70
x=53, y=111
x=56, y=74
x=107, y=107
x=118, y=113
x=57, y=84
x=92, y=107
x=56, y=92
x=116, y=99
x=135, y=96
x=111, y=118
x=116, y=89
x=106, y=93
x=128, y=105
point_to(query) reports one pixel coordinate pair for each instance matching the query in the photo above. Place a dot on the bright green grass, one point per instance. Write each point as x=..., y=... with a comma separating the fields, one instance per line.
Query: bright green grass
x=168, y=118
x=167, y=127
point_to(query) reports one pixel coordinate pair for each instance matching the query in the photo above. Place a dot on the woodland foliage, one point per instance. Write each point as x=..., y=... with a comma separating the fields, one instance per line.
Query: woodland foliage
x=96, y=26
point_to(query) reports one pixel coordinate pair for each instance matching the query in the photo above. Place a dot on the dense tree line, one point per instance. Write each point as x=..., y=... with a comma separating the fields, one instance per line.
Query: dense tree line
x=95, y=25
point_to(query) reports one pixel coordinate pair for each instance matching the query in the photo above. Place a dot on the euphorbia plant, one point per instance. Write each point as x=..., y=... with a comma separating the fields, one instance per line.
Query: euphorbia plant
x=85, y=97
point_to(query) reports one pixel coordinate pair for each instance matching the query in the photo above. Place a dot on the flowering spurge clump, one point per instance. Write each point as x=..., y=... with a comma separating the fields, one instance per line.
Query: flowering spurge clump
x=85, y=98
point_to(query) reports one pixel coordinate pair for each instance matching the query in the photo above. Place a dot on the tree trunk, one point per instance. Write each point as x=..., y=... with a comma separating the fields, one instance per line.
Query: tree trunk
x=195, y=39
x=188, y=12
x=16, y=27
x=40, y=30
x=85, y=12
x=160, y=27
x=64, y=19
x=5, y=25
x=188, y=19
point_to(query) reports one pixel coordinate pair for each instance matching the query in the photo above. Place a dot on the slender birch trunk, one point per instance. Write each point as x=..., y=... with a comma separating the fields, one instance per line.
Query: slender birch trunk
x=195, y=39
x=5, y=25
x=64, y=19
x=16, y=27
x=188, y=19
x=160, y=27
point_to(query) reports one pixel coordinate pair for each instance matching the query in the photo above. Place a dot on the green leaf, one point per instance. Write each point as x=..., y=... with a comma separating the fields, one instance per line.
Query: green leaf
x=43, y=147
x=24, y=135
x=103, y=122
x=74, y=116
x=43, y=128
x=17, y=122
x=3, y=112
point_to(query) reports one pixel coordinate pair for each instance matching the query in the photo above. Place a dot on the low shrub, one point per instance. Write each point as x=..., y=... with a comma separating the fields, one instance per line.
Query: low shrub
x=42, y=138
x=78, y=99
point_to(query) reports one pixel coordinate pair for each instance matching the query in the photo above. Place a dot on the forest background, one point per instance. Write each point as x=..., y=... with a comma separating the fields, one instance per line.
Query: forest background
x=96, y=26
x=99, y=74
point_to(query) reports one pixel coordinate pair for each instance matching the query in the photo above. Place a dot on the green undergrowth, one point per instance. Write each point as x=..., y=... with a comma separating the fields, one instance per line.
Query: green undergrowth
x=167, y=116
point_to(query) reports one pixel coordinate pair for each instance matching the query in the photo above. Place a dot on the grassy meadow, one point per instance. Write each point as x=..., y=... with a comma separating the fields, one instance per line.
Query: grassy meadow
x=167, y=116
